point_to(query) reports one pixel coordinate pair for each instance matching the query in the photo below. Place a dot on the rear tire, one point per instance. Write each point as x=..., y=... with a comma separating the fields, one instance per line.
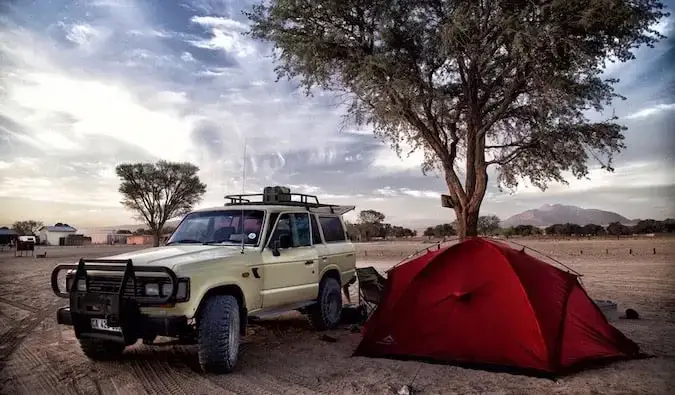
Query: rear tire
x=326, y=313
x=101, y=350
x=218, y=334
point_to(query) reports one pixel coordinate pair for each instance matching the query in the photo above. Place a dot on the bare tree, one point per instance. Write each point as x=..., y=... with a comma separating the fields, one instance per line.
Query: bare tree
x=27, y=228
x=159, y=192
x=473, y=84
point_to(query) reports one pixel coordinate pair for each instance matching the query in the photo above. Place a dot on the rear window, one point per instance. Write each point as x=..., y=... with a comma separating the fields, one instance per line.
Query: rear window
x=332, y=229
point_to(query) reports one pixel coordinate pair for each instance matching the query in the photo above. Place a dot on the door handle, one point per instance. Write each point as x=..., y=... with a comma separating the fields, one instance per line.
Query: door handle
x=309, y=262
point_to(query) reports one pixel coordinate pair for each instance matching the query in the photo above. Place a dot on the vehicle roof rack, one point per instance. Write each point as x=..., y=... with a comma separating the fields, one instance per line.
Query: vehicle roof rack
x=309, y=202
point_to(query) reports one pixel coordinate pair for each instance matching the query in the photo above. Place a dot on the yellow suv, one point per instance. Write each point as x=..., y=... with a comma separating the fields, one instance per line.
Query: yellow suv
x=259, y=255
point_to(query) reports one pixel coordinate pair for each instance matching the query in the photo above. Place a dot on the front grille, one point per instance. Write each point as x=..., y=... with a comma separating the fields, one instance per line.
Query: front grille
x=111, y=285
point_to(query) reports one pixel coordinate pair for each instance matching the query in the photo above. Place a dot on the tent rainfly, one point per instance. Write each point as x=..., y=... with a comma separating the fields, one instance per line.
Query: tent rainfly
x=484, y=304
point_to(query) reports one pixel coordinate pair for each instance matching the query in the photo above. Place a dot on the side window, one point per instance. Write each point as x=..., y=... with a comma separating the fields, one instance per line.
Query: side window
x=283, y=227
x=332, y=229
x=316, y=236
x=301, y=235
x=296, y=226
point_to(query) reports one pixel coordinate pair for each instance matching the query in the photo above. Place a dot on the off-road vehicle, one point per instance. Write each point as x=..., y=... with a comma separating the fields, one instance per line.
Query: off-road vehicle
x=258, y=255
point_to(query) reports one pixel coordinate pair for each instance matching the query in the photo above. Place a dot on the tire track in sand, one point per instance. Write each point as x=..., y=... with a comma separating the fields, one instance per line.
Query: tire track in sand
x=19, y=305
x=11, y=339
x=41, y=371
x=157, y=375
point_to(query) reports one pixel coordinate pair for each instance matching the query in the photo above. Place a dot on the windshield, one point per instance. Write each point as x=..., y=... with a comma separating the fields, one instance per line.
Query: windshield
x=220, y=226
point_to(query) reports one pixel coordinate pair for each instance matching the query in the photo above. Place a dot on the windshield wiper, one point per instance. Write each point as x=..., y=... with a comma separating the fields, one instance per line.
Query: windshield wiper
x=211, y=242
x=186, y=241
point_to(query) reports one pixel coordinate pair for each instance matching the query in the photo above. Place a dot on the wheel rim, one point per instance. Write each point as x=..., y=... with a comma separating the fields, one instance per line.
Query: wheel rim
x=233, y=336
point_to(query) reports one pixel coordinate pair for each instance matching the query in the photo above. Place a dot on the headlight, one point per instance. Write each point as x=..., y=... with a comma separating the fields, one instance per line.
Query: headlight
x=165, y=289
x=152, y=289
x=82, y=285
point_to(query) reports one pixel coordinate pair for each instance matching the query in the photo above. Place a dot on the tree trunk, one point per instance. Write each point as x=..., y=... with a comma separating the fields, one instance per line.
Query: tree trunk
x=156, y=237
x=467, y=223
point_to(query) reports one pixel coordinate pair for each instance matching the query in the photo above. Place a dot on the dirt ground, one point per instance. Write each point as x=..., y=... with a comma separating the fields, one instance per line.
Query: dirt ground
x=285, y=356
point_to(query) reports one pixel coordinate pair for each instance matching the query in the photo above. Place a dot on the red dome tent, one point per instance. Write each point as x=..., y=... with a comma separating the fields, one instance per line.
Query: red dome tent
x=483, y=303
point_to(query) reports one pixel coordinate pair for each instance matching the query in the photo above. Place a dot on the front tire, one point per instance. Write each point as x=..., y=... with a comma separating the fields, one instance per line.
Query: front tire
x=218, y=334
x=101, y=350
x=326, y=313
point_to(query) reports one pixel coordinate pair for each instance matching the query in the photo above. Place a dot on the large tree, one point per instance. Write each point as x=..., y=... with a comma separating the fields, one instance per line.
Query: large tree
x=371, y=224
x=160, y=191
x=475, y=84
x=488, y=225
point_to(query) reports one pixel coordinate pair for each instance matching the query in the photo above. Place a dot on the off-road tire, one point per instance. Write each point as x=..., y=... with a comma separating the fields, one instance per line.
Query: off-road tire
x=101, y=350
x=218, y=334
x=326, y=313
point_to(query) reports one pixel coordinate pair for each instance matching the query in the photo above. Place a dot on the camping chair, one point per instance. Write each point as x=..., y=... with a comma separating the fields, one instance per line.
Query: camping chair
x=371, y=288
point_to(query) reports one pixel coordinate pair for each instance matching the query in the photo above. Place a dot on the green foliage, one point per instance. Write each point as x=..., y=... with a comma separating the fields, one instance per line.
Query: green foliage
x=158, y=192
x=592, y=230
x=371, y=217
x=618, y=229
x=570, y=229
x=371, y=225
x=441, y=230
x=27, y=228
x=401, y=232
x=473, y=83
x=652, y=226
x=521, y=230
x=488, y=225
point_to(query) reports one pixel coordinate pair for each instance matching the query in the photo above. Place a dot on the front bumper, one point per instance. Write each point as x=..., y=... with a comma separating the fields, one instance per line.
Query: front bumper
x=118, y=303
x=143, y=327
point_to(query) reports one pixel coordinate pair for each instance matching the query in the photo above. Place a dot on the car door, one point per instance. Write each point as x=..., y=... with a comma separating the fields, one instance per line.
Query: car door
x=339, y=250
x=292, y=276
x=319, y=244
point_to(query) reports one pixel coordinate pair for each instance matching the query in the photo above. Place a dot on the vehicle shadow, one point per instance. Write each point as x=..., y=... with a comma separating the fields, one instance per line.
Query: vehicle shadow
x=263, y=337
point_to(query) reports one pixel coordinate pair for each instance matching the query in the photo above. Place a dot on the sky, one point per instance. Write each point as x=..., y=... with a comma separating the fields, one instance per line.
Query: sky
x=86, y=85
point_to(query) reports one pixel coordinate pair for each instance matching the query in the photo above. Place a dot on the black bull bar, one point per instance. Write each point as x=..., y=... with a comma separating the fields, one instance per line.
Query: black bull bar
x=119, y=309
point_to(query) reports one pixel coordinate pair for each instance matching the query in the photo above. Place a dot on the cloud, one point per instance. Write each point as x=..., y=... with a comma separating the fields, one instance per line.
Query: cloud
x=92, y=84
x=651, y=111
x=225, y=34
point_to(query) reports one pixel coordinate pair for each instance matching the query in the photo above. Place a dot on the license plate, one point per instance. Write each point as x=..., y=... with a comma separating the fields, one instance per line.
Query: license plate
x=102, y=324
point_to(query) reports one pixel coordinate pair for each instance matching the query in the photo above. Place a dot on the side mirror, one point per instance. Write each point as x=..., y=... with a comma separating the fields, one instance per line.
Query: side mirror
x=275, y=248
x=284, y=241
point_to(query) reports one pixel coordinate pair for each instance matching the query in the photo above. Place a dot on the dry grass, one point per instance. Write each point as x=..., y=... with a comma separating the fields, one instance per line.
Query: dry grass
x=285, y=356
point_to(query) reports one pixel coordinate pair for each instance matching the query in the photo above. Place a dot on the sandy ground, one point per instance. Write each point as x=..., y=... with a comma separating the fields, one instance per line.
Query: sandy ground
x=285, y=356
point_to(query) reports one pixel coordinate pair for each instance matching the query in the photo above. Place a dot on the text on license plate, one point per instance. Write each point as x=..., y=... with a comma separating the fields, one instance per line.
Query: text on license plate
x=102, y=324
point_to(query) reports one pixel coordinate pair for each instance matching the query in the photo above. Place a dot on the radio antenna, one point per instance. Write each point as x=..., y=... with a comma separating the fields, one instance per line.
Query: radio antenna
x=243, y=191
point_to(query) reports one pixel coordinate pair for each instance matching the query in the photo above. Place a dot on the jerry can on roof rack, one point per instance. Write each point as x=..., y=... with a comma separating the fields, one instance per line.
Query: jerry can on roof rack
x=276, y=194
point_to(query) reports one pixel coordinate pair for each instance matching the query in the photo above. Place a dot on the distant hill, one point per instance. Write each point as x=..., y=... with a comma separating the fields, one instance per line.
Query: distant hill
x=550, y=214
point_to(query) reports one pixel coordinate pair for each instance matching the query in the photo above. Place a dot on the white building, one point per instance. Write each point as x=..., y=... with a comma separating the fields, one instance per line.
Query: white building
x=55, y=235
x=106, y=236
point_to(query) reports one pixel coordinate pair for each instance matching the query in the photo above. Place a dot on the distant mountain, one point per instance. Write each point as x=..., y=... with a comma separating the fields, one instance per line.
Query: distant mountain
x=550, y=214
